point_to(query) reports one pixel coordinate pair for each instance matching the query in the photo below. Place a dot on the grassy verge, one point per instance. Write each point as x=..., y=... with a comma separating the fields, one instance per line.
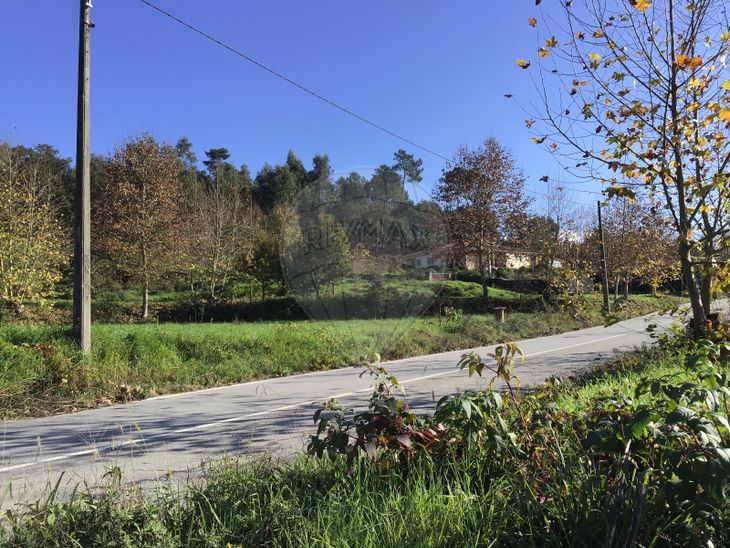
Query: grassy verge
x=42, y=373
x=561, y=495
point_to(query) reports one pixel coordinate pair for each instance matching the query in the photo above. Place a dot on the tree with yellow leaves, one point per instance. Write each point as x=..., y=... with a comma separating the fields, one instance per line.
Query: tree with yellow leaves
x=636, y=94
x=32, y=240
x=639, y=247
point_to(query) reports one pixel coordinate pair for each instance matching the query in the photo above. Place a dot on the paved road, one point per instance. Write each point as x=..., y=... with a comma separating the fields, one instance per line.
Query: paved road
x=174, y=434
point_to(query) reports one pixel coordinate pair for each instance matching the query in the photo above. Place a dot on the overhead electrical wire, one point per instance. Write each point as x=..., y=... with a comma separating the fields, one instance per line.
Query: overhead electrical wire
x=310, y=91
x=288, y=80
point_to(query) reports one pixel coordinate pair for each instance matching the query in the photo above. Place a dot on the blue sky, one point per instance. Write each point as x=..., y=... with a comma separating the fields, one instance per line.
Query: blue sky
x=432, y=71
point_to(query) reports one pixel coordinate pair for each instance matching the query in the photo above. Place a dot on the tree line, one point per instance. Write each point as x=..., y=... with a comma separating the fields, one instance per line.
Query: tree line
x=162, y=220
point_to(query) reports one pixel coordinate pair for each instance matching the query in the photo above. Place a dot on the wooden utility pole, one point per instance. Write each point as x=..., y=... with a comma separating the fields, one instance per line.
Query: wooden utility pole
x=604, y=271
x=82, y=235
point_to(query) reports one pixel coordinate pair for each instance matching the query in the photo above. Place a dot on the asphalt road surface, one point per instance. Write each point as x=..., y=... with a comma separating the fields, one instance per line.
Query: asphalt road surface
x=174, y=435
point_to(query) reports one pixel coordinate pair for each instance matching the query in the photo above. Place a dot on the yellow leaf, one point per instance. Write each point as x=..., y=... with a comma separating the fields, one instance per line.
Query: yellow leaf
x=594, y=57
x=551, y=42
x=542, y=52
x=725, y=115
x=685, y=61
x=641, y=5
x=532, y=21
x=726, y=85
x=522, y=63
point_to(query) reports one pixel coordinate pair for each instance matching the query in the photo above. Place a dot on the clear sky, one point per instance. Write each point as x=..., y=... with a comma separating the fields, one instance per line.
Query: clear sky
x=435, y=72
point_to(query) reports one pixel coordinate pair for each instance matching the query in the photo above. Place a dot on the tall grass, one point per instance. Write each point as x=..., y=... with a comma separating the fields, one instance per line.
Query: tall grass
x=472, y=502
x=41, y=371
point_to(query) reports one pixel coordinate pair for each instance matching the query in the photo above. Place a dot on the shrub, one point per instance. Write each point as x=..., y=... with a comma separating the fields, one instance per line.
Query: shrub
x=661, y=458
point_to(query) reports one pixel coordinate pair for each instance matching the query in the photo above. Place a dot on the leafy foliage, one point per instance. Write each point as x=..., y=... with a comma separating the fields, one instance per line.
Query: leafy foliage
x=32, y=239
x=663, y=451
x=481, y=192
x=137, y=212
x=639, y=244
x=635, y=95
x=672, y=435
x=387, y=431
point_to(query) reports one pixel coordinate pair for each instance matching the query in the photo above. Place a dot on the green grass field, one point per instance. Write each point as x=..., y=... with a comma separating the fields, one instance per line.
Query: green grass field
x=452, y=288
x=42, y=373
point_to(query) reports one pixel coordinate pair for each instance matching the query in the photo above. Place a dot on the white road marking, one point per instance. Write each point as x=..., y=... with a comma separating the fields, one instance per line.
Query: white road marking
x=205, y=426
x=50, y=459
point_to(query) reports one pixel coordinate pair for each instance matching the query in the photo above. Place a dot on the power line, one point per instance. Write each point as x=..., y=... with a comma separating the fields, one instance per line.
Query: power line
x=314, y=93
x=292, y=82
x=582, y=191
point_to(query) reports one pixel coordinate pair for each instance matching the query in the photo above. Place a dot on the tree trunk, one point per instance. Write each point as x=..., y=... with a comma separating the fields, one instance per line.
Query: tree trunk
x=706, y=291
x=626, y=289
x=483, y=277
x=146, y=299
x=145, y=281
x=683, y=219
x=698, y=312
